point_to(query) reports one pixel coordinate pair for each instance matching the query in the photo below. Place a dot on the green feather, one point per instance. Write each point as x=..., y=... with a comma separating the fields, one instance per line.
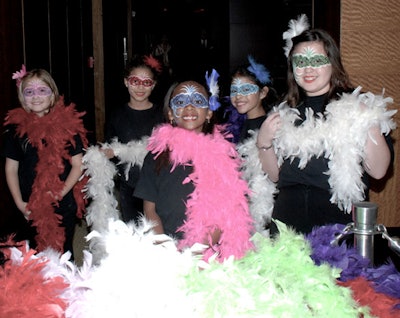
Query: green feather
x=279, y=279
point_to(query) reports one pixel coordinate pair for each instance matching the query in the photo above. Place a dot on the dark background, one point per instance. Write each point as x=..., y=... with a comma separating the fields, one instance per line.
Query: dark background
x=57, y=35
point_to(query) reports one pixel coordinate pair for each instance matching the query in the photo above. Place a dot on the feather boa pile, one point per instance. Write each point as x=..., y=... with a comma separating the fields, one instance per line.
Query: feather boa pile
x=276, y=279
x=58, y=129
x=220, y=196
x=340, y=135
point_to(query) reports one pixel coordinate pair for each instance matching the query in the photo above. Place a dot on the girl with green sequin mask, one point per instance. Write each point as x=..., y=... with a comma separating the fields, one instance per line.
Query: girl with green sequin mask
x=311, y=68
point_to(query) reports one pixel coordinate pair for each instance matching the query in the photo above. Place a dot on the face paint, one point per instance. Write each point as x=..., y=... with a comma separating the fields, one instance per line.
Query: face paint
x=32, y=91
x=190, y=97
x=239, y=88
x=309, y=58
x=136, y=81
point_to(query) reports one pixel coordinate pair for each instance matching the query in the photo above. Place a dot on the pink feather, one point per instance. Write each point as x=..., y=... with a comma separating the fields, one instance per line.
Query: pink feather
x=220, y=196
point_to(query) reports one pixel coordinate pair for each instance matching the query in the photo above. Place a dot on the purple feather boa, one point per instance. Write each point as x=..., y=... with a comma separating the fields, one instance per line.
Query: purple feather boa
x=385, y=279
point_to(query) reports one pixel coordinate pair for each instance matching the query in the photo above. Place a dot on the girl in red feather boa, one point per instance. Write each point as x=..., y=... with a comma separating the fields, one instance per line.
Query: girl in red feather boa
x=43, y=147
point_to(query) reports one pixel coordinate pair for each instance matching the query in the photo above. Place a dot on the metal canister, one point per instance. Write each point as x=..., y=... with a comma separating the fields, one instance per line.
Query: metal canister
x=364, y=218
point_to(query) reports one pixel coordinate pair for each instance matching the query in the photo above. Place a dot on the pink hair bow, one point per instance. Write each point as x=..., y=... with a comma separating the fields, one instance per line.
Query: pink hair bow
x=19, y=75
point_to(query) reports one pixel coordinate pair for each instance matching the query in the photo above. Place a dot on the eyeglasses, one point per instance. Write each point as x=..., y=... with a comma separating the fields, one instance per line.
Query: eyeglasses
x=37, y=91
x=136, y=81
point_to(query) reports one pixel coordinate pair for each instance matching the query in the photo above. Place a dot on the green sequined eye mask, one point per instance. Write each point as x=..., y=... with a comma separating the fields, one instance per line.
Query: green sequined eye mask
x=309, y=59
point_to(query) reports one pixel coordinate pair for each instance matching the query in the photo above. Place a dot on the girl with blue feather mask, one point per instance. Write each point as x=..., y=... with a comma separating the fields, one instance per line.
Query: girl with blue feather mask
x=251, y=98
x=251, y=95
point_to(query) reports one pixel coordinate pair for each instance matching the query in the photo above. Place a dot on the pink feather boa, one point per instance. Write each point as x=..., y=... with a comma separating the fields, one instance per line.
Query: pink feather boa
x=219, y=200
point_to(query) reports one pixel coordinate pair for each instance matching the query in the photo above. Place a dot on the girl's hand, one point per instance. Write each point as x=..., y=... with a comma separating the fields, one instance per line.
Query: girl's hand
x=108, y=152
x=22, y=207
x=268, y=130
x=213, y=237
x=26, y=215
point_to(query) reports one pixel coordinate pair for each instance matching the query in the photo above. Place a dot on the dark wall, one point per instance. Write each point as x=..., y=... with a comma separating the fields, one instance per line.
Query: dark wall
x=181, y=21
x=10, y=61
x=258, y=31
x=58, y=38
x=236, y=28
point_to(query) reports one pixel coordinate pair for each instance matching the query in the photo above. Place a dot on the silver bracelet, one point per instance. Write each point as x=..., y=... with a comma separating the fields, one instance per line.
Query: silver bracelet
x=263, y=148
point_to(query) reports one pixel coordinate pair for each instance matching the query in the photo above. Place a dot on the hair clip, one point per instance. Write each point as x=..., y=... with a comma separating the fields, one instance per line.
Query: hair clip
x=19, y=75
x=152, y=62
x=259, y=70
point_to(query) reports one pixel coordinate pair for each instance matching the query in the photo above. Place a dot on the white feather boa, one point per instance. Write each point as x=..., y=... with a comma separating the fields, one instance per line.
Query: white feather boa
x=340, y=136
x=262, y=189
x=100, y=187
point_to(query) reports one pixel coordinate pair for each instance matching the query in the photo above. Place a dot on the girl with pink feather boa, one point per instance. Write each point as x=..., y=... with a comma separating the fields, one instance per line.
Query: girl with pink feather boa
x=190, y=180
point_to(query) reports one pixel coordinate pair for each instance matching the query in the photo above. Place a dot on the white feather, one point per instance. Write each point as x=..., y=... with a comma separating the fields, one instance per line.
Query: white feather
x=261, y=201
x=137, y=278
x=296, y=26
x=340, y=136
x=131, y=153
x=100, y=187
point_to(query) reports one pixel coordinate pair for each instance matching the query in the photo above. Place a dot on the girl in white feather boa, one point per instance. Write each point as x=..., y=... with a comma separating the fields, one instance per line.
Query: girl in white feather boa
x=328, y=138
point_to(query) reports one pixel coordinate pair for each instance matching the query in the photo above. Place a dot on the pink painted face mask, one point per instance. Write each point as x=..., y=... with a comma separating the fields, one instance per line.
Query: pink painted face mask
x=37, y=91
x=136, y=81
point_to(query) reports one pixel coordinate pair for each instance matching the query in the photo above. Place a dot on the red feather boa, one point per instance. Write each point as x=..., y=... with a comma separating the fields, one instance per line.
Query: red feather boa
x=220, y=196
x=58, y=128
x=27, y=291
x=381, y=305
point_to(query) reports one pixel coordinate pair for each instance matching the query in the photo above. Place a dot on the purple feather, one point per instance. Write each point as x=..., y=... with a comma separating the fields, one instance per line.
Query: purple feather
x=385, y=278
x=235, y=122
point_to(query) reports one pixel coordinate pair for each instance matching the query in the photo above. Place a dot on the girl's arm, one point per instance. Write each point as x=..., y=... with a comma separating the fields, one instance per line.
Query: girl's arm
x=377, y=157
x=151, y=214
x=266, y=152
x=74, y=174
x=11, y=170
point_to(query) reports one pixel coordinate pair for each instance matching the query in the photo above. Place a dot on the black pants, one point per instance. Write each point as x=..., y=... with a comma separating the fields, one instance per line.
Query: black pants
x=24, y=230
x=67, y=209
x=131, y=207
x=303, y=207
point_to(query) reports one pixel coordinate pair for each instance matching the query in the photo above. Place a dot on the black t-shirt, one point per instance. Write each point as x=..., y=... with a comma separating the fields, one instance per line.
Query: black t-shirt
x=250, y=124
x=313, y=173
x=19, y=149
x=129, y=124
x=166, y=189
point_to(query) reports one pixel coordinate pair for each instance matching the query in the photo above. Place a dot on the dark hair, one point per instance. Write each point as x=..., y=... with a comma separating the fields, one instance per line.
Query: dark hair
x=142, y=61
x=272, y=95
x=340, y=81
